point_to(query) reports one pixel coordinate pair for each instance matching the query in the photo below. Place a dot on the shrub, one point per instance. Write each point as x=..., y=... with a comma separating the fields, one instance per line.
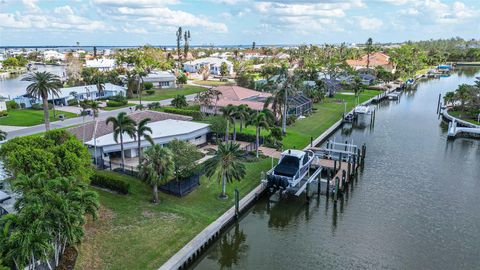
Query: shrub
x=3, y=113
x=148, y=86
x=291, y=120
x=111, y=181
x=11, y=104
x=72, y=102
x=150, y=92
x=113, y=103
x=154, y=105
x=38, y=106
x=195, y=114
x=179, y=101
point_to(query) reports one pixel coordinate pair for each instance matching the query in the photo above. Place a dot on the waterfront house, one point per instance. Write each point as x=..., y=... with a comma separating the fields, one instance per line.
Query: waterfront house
x=84, y=92
x=212, y=63
x=377, y=59
x=51, y=55
x=165, y=128
x=236, y=95
x=101, y=64
x=161, y=79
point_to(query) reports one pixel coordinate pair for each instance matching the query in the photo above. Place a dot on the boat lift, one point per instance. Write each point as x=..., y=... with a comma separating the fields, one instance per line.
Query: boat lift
x=332, y=169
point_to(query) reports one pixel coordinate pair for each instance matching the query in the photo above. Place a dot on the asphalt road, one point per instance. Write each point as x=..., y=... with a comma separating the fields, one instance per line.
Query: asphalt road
x=80, y=120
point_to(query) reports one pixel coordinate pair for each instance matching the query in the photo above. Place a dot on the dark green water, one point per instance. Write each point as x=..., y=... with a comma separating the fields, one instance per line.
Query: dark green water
x=415, y=206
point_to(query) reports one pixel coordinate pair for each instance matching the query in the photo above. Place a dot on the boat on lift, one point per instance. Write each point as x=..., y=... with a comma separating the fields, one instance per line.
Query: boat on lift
x=292, y=167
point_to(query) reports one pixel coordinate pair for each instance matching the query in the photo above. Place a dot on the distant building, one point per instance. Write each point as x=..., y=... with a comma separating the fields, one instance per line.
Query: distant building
x=161, y=79
x=378, y=59
x=236, y=95
x=51, y=55
x=212, y=63
x=251, y=54
x=3, y=104
x=101, y=64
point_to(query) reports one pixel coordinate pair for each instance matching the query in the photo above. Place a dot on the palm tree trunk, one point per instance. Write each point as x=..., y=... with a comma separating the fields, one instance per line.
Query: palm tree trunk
x=139, y=151
x=284, y=118
x=122, y=153
x=224, y=186
x=258, y=139
x=46, y=114
x=241, y=125
x=226, y=132
x=155, y=193
x=234, y=132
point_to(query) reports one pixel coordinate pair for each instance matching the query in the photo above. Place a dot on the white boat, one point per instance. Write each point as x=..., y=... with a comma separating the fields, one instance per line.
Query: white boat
x=393, y=95
x=292, y=167
x=362, y=109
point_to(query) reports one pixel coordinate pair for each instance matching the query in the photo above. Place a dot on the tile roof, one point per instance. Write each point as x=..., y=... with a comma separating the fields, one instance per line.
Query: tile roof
x=102, y=128
x=376, y=59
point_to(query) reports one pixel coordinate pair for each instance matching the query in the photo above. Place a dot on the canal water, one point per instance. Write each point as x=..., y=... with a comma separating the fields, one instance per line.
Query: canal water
x=13, y=86
x=416, y=205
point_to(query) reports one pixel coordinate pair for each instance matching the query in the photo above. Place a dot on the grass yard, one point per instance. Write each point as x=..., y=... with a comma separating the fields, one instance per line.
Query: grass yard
x=119, y=107
x=132, y=233
x=212, y=83
x=30, y=117
x=458, y=114
x=161, y=94
x=327, y=113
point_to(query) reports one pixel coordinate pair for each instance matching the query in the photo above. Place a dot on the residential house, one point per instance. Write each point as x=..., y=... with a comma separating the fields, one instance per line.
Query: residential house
x=378, y=59
x=84, y=92
x=161, y=79
x=3, y=104
x=103, y=64
x=98, y=136
x=212, y=63
x=236, y=95
x=251, y=54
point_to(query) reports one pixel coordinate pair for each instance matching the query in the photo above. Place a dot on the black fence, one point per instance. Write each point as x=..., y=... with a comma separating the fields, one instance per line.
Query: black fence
x=116, y=167
x=181, y=187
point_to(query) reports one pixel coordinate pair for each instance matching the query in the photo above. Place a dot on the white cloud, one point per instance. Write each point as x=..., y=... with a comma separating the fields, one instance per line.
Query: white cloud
x=63, y=10
x=135, y=3
x=369, y=23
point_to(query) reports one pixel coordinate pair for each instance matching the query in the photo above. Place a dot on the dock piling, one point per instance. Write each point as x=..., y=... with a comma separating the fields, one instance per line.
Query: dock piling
x=438, y=103
x=237, y=203
x=337, y=187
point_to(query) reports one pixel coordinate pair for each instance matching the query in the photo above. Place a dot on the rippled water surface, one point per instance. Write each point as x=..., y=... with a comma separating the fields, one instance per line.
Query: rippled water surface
x=415, y=206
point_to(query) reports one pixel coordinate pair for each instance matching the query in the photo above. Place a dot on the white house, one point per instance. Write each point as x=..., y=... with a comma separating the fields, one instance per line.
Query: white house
x=3, y=104
x=161, y=79
x=50, y=55
x=101, y=64
x=212, y=63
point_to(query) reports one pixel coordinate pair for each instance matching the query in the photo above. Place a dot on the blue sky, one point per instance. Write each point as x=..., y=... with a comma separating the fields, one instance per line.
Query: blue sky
x=233, y=22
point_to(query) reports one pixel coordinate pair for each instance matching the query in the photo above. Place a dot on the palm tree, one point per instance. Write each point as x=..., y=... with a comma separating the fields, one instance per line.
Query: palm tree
x=140, y=73
x=462, y=94
x=242, y=113
x=122, y=124
x=141, y=130
x=157, y=167
x=228, y=112
x=449, y=97
x=43, y=84
x=226, y=165
x=259, y=120
x=3, y=135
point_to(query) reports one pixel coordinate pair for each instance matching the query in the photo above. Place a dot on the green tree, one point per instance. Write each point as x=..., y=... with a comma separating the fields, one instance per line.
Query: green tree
x=10, y=62
x=122, y=124
x=228, y=112
x=179, y=101
x=218, y=124
x=448, y=98
x=185, y=157
x=259, y=120
x=226, y=165
x=242, y=113
x=181, y=79
x=157, y=167
x=224, y=69
x=42, y=85
x=179, y=43
x=369, y=50
x=142, y=130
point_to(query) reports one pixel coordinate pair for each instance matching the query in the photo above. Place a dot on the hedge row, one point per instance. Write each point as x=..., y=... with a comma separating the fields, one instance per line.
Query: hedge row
x=3, y=113
x=111, y=181
x=113, y=103
x=195, y=114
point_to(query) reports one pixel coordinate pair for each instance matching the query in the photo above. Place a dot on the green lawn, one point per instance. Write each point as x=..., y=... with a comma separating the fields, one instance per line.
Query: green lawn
x=119, y=107
x=161, y=94
x=29, y=117
x=458, y=114
x=327, y=113
x=133, y=233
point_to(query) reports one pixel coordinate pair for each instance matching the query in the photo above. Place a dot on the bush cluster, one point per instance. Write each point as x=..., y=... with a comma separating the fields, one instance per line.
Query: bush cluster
x=111, y=181
x=150, y=92
x=3, y=113
x=72, y=102
x=12, y=105
x=113, y=103
x=195, y=114
x=38, y=106
x=147, y=86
